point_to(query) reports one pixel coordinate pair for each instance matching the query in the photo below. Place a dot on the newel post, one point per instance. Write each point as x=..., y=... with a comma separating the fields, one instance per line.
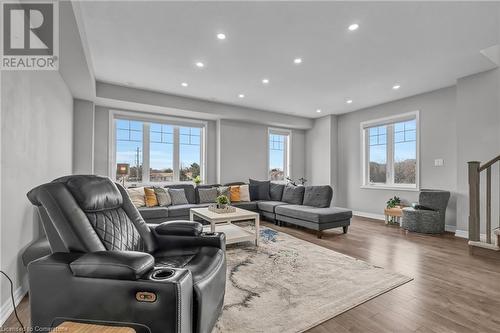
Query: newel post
x=474, y=181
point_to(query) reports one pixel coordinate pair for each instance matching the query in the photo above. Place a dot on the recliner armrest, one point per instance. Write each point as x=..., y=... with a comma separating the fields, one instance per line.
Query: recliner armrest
x=179, y=228
x=120, y=265
x=418, y=206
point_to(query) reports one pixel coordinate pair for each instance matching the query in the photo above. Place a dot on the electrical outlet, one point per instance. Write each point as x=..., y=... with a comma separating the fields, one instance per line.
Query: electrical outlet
x=439, y=162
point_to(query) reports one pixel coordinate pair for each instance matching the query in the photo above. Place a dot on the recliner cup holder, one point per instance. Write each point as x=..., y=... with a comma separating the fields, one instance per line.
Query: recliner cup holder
x=162, y=274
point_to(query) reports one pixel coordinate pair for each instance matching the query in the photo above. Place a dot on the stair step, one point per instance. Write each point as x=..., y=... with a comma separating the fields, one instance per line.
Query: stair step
x=485, y=245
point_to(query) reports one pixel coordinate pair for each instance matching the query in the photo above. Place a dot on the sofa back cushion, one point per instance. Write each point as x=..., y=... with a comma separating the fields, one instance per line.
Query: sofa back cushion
x=207, y=195
x=188, y=190
x=293, y=194
x=318, y=196
x=261, y=188
x=178, y=196
x=276, y=191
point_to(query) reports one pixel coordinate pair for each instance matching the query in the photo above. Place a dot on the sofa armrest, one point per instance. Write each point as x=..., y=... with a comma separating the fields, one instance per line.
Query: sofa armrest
x=179, y=228
x=118, y=265
x=418, y=206
x=56, y=293
x=168, y=241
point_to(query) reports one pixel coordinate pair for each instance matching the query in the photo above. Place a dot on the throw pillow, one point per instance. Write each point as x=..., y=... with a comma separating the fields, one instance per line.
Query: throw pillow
x=136, y=195
x=224, y=190
x=318, y=196
x=207, y=195
x=254, y=192
x=162, y=196
x=244, y=193
x=150, y=195
x=276, y=191
x=262, y=189
x=293, y=194
x=235, y=193
x=178, y=196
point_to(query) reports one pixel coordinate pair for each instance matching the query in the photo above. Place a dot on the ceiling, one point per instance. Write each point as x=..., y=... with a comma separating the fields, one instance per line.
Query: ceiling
x=419, y=46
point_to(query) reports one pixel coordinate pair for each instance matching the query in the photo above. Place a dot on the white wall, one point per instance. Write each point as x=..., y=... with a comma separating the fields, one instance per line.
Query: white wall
x=318, y=152
x=437, y=140
x=83, y=139
x=478, y=139
x=37, y=140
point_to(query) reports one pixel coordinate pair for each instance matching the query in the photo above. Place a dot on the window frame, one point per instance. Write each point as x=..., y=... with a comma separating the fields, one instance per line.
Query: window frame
x=365, y=158
x=147, y=119
x=286, y=154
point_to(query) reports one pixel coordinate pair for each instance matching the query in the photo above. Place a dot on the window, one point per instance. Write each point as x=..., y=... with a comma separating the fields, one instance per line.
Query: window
x=278, y=143
x=390, y=147
x=158, y=151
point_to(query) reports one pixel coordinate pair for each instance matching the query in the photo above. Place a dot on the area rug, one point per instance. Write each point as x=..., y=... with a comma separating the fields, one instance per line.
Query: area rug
x=291, y=285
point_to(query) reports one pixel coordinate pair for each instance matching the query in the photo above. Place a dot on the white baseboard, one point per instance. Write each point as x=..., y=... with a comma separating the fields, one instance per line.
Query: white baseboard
x=19, y=294
x=369, y=215
x=449, y=228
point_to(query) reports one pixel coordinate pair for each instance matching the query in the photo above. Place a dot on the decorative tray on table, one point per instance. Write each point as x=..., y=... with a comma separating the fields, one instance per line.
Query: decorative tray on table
x=221, y=210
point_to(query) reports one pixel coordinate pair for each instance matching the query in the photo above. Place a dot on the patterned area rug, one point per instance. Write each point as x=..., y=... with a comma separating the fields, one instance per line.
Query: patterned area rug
x=290, y=285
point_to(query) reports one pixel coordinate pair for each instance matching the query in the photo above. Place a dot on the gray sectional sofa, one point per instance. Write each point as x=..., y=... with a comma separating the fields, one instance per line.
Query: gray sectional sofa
x=307, y=206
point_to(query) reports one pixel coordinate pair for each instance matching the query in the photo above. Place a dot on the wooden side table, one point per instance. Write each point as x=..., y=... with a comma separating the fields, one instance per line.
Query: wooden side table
x=393, y=215
x=73, y=327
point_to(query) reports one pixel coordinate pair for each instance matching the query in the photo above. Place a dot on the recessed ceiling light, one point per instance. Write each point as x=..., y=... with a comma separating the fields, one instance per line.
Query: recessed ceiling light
x=200, y=64
x=297, y=60
x=353, y=27
x=241, y=96
x=396, y=87
x=265, y=81
x=318, y=110
x=349, y=101
x=184, y=84
x=221, y=36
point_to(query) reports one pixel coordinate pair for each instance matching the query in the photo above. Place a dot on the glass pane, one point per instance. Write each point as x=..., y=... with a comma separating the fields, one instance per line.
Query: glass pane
x=277, y=158
x=399, y=127
x=189, y=153
x=378, y=164
x=411, y=125
x=129, y=149
x=411, y=135
x=155, y=136
x=155, y=127
x=399, y=136
x=161, y=161
x=405, y=162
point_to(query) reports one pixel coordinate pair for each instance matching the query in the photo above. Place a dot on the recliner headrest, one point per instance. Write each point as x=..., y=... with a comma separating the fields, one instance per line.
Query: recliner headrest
x=93, y=193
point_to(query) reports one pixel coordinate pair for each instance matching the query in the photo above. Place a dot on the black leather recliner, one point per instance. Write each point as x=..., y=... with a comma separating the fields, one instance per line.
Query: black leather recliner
x=108, y=265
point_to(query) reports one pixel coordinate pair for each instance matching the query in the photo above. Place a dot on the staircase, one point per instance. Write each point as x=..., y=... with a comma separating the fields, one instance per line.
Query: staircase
x=475, y=239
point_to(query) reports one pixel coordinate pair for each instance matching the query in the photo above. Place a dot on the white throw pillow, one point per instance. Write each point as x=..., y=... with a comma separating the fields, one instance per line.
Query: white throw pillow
x=137, y=196
x=244, y=193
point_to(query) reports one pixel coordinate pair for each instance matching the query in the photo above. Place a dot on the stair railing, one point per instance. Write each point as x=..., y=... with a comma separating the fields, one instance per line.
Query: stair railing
x=475, y=169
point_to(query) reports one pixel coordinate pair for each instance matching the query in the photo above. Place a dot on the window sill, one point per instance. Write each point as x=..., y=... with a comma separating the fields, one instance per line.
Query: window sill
x=392, y=188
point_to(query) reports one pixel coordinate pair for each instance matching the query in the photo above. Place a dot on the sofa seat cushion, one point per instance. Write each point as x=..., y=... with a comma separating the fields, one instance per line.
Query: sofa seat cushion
x=269, y=206
x=314, y=214
x=183, y=210
x=248, y=205
x=148, y=213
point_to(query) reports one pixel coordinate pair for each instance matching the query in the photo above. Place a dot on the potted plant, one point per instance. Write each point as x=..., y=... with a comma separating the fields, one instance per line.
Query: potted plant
x=197, y=180
x=222, y=201
x=394, y=202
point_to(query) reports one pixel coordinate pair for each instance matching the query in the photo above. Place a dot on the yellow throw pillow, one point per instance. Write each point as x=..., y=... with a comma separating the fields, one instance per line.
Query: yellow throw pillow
x=137, y=196
x=235, y=193
x=151, y=200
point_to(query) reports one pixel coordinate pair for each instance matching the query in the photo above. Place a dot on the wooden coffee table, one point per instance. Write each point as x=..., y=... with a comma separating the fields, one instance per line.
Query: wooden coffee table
x=222, y=222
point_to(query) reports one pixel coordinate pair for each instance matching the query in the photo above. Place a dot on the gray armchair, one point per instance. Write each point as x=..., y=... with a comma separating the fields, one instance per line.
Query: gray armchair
x=428, y=215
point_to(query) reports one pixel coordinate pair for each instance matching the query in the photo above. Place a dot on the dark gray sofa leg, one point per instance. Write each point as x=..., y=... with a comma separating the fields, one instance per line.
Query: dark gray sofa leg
x=319, y=234
x=345, y=229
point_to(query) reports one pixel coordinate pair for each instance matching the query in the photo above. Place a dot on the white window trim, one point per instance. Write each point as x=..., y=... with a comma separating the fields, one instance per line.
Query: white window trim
x=390, y=146
x=148, y=118
x=288, y=151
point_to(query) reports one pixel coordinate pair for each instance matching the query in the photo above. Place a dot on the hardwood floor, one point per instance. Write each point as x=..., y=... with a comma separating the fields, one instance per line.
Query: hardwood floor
x=454, y=290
